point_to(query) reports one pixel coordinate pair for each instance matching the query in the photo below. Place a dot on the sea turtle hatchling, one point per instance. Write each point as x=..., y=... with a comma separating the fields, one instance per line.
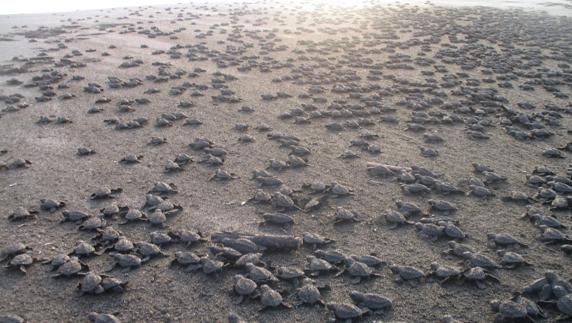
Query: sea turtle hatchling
x=94, y=317
x=160, y=238
x=475, y=259
x=70, y=268
x=271, y=298
x=244, y=287
x=371, y=301
x=252, y=258
x=504, y=240
x=260, y=274
x=479, y=276
x=74, y=216
x=164, y=188
x=189, y=259
x=444, y=273
x=95, y=284
x=12, y=249
x=222, y=175
x=131, y=159
x=21, y=262
x=187, y=237
x=84, y=249
x=22, y=214
x=93, y=223
x=395, y=219
x=343, y=215
x=51, y=205
x=358, y=271
x=458, y=249
x=339, y=190
x=84, y=151
x=309, y=293
x=105, y=193
x=346, y=312
x=512, y=260
x=315, y=240
x=147, y=250
x=407, y=273
x=133, y=215
x=317, y=266
x=126, y=261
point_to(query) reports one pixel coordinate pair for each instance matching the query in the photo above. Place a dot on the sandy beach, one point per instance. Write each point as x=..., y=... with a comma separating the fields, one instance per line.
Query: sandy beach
x=418, y=153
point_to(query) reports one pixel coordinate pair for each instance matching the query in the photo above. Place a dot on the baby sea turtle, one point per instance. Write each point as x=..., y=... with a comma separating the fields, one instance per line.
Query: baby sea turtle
x=22, y=214
x=94, y=317
x=94, y=284
x=406, y=273
x=271, y=298
x=51, y=205
x=126, y=261
x=512, y=260
x=187, y=237
x=84, y=151
x=415, y=189
x=480, y=192
x=551, y=235
x=93, y=223
x=160, y=238
x=458, y=249
x=315, y=240
x=479, y=276
x=317, y=266
x=290, y=273
x=84, y=249
x=13, y=249
x=309, y=293
x=70, y=268
x=260, y=274
x=339, y=190
x=358, y=271
x=504, y=240
x=123, y=245
x=131, y=159
x=244, y=287
x=442, y=206
x=133, y=215
x=253, y=258
x=147, y=250
x=429, y=231
x=343, y=215
x=222, y=175
x=474, y=259
x=188, y=259
x=164, y=188
x=21, y=262
x=279, y=219
x=346, y=312
x=444, y=273
x=408, y=209
x=74, y=216
x=371, y=301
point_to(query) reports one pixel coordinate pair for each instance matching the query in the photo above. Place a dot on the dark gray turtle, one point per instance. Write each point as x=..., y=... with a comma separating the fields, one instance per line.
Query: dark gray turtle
x=260, y=196
x=358, y=271
x=444, y=273
x=291, y=273
x=395, y=219
x=21, y=262
x=84, y=151
x=429, y=231
x=343, y=215
x=517, y=197
x=11, y=318
x=509, y=310
x=253, y=258
x=152, y=201
x=314, y=240
x=564, y=305
x=242, y=245
x=371, y=301
x=567, y=248
x=474, y=259
x=113, y=210
x=164, y=188
x=123, y=245
x=157, y=218
x=183, y=159
x=125, y=261
x=188, y=259
x=283, y=201
x=94, y=317
x=370, y=260
x=91, y=284
x=160, y=238
x=275, y=242
x=332, y=256
x=131, y=159
x=479, y=276
x=317, y=266
x=442, y=206
x=480, y=192
x=200, y=144
x=408, y=209
x=512, y=260
x=111, y=284
x=271, y=298
x=260, y=274
x=133, y=215
x=553, y=153
x=222, y=175
x=280, y=219
x=415, y=189
x=84, y=249
x=339, y=190
x=56, y=261
x=71, y=268
x=225, y=253
x=74, y=216
x=105, y=193
x=93, y=223
x=211, y=266
x=51, y=205
x=156, y=141
x=538, y=217
x=504, y=240
x=551, y=235
x=406, y=273
x=458, y=249
x=147, y=250
x=309, y=293
x=172, y=166
x=22, y=214
x=187, y=237
x=244, y=287
x=452, y=231
x=346, y=312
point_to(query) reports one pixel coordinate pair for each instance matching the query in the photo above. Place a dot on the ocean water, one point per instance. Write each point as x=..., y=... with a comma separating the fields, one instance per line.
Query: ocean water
x=554, y=7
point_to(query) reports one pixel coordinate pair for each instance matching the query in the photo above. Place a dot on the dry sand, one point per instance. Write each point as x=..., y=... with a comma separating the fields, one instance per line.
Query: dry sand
x=352, y=66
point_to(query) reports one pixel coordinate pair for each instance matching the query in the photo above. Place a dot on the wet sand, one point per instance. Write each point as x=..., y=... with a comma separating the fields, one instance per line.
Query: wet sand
x=427, y=90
